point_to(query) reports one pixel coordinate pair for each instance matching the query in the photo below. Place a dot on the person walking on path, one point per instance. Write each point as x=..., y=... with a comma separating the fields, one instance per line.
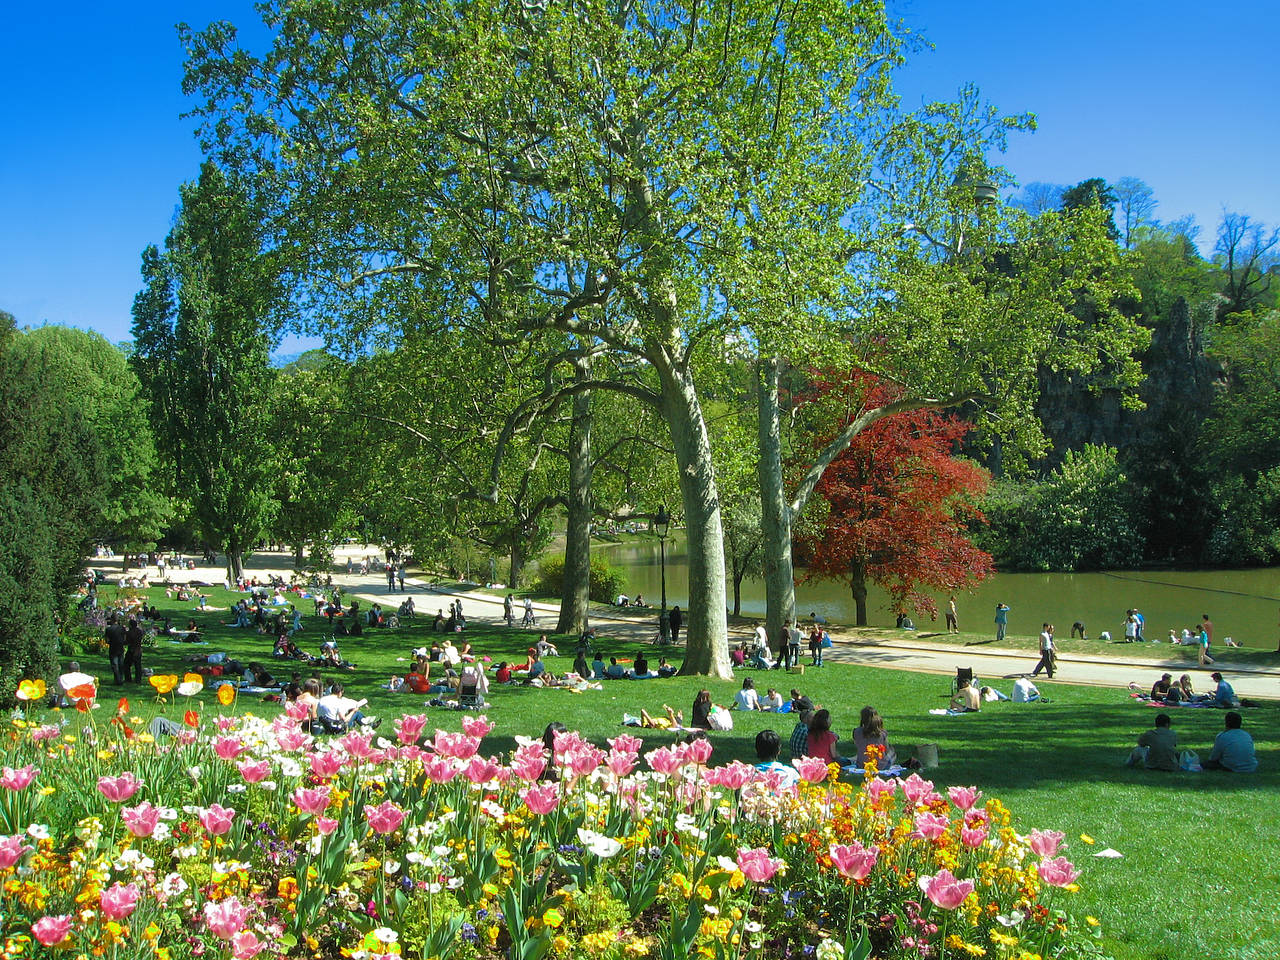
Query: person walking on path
x=509, y=610
x=1205, y=639
x=676, y=619
x=1047, y=655
x=953, y=625
x=1002, y=620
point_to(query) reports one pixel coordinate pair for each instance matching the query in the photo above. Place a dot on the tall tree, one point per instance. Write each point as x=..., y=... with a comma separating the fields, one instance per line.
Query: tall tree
x=1094, y=193
x=1246, y=251
x=1137, y=204
x=202, y=352
x=899, y=509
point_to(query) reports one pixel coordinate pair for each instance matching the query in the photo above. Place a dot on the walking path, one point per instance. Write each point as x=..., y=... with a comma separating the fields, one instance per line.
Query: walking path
x=897, y=653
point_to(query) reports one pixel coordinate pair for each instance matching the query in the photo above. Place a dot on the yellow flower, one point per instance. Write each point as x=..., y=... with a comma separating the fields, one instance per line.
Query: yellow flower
x=561, y=944
x=1091, y=921
x=553, y=918
x=1085, y=838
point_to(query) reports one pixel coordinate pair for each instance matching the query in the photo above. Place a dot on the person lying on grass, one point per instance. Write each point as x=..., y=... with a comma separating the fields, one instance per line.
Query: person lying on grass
x=671, y=721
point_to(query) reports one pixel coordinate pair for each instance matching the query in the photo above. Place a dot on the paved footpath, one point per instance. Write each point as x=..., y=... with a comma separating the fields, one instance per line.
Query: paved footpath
x=905, y=653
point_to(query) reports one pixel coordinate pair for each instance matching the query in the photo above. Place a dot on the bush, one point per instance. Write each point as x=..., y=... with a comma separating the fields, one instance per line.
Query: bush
x=606, y=582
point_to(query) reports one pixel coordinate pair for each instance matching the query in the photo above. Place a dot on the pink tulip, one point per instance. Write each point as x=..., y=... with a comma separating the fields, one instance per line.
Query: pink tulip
x=664, y=760
x=811, y=769
x=46, y=732
x=736, y=775
x=297, y=710
x=1044, y=843
x=226, y=723
x=529, y=761
x=51, y=931
x=916, y=789
x=478, y=727
x=357, y=746
x=974, y=837
x=853, y=859
x=119, y=900
x=254, y=771
x=977, y=818
x=877, y=789
x=18, y=779
x=141, y=820
x=311, y=801
x=291, y=740
x=228, y=748
x=964, y=797
x=1057, y=872
x=326, y=825
x=246, y=945
x=774, y=781
x=12, y=849
x=217, y=819
x=457, y=745
x=757, y=866
x=541, y=800
x=696, y=751
x=326, y=765
x=119, y=789
x=931, y=826
x=945, y=891
x=440, y=769
x=384, y=818
x=626, y=743
x=480, y=770
x=620, y=764
x=409, y=727
x=226, y=918
x=565, y=740
x=582, y=760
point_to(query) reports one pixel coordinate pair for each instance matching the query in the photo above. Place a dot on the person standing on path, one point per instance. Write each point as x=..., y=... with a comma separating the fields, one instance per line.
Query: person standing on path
x=676, y=619
x=953, y=625
x=509, y=610
x=391, y=577
x=1206, y=639
x=115, y=635
x=1047, y=655
x=400, y=576
x=1002, y=620
x=793, y=639
x=133, y=652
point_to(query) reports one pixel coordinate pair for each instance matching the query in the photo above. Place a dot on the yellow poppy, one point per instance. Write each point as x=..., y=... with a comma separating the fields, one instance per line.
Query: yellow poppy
x=164, y=682
x=31, y=690
x=226, y=694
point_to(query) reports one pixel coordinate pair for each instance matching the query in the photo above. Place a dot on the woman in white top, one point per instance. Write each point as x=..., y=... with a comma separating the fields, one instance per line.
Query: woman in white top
x=747, y=698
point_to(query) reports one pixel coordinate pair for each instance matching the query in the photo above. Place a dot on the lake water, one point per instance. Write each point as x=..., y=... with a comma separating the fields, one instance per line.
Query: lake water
x=1244, y=604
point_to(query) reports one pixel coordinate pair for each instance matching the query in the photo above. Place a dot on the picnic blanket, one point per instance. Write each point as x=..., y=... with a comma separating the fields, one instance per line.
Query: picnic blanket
x=939, y=712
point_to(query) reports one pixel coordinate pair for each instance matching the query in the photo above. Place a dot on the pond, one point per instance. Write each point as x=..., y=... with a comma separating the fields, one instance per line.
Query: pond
x=1244, y=604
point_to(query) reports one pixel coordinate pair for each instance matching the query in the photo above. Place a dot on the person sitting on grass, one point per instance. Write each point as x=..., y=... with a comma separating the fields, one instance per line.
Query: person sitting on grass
x=773, y=702
x=768, y=745
x=580, y=665
x=545, y=647
x=336, y=710
x=641, y=670
x=1233, y=748
x=503, y=673
x=738, y=655
x=823, y=740
x=665, y=669
x=1157, y=749
x=702, y=710
x=418, y=679
x=615, y=670
x=870, y=733
x=1224, y=695
x=798, y=742
x=597, y=668
x=1160, y=689
x=967, y=699
x=747, y=698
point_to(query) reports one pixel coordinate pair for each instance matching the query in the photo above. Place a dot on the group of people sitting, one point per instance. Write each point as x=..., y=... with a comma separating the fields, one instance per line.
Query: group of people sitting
x=1233, y=748
x=1179, y=692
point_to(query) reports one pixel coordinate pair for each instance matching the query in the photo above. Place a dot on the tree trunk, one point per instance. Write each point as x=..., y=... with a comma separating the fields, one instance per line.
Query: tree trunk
x=235, y=561
x=517, y=556
x=737, y=591
x=858, y=586
x=706, y=629
x=575, y=592
x=299, y=554
x=775, y=512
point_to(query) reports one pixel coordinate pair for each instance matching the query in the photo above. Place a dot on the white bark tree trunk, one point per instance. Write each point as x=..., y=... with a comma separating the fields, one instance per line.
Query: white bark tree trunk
x=775, y=512
x=575, y=594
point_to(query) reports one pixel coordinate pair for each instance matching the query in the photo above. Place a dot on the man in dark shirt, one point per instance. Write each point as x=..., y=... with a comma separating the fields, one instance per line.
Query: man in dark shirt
x=115, y=635
x=133, y=652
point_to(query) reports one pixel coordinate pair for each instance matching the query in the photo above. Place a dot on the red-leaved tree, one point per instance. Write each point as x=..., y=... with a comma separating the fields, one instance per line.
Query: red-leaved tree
x=900, y=508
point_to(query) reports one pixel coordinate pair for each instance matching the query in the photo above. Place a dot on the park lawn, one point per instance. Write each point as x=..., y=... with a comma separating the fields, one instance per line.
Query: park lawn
x=1200, y=869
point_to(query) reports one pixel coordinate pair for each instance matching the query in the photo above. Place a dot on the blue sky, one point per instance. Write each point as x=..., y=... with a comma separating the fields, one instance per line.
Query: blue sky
x=93, y=148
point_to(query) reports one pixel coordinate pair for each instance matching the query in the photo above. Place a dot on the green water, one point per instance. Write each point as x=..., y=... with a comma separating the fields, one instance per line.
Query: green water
x=1244, y=604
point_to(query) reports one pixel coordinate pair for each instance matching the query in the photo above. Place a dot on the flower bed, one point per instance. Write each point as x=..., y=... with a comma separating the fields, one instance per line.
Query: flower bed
x=243, y=835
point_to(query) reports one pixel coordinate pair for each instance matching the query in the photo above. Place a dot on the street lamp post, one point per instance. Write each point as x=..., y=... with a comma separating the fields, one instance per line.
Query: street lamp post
x=661, y=524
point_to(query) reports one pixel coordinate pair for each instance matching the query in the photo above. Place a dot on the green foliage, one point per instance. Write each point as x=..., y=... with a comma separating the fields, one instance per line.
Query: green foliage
x=52, y=478
x=1246, y=531
x=606, y=582
x=201, y=352
x=1082, y=517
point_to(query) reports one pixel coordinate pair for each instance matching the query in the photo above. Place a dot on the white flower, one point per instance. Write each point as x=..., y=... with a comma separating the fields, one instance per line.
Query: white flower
x=236, y=788
x=38, y=831
x=315, y=845
x=194, y=772
x=830, y=950
x=168, y=813
x=1011, y=919
x=268, y=785
x=453, y=883
x=390, y=866
x=725, y=864
x=492, y=809
x=385, y=935
x=290, y=768
x=162, y=832
x=416, y=858
x=186, y=851
x=597, y=843
x=173, y=884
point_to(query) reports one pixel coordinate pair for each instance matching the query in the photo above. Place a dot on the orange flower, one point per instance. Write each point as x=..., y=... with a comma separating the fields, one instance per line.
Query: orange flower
x=191, y=718
x=83, y=705
x=31, y=690
x=226, y=694
x=122, y=708
x=164, y=682
x=83, y=692
x=193, y=678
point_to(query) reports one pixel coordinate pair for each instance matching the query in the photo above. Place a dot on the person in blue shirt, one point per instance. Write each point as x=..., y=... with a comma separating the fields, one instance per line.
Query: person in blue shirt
x=768, y=744
x=1233, y=748
x=1002, y=620
x=1224, y=695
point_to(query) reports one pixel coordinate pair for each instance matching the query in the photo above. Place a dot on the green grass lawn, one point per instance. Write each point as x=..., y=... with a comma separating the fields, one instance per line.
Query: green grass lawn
x=1200, y=873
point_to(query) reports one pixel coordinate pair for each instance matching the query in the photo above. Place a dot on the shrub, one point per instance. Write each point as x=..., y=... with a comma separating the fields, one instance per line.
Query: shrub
x=606, y=582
